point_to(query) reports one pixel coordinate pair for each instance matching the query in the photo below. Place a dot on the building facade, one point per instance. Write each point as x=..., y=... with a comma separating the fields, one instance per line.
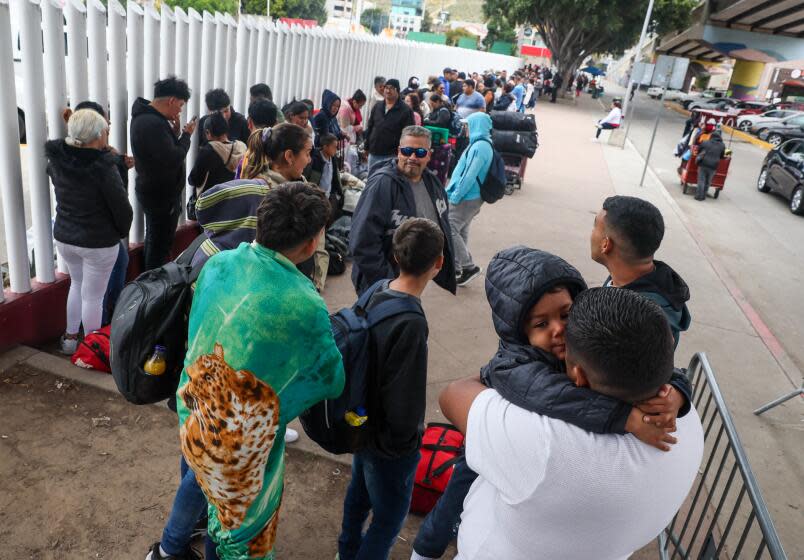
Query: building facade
x=406, y=16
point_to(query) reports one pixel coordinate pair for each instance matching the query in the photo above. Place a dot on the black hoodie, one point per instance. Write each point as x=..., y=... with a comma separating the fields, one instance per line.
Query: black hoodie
x=384, y=128
x=665, y=287
x=158, y=156
x=529, y=377
x=92, y=208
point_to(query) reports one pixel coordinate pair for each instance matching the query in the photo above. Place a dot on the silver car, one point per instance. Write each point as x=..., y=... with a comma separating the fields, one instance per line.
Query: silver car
x=755, y=123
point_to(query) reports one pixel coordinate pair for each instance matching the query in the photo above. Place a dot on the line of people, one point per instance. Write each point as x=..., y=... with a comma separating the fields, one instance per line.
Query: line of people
x=572, y=363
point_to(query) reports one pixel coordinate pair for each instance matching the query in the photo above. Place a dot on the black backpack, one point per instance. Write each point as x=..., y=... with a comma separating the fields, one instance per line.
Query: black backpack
x=492, y=188
x=455, y=124
x=325, y=422
x=151, y=310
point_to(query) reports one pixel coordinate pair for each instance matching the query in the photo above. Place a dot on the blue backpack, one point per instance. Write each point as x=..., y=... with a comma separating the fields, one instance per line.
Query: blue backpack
x=326, y=422
x=492, y=188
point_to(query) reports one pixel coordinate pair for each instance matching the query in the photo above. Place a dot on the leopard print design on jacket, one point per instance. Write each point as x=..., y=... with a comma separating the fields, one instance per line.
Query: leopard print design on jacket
x=229, y=435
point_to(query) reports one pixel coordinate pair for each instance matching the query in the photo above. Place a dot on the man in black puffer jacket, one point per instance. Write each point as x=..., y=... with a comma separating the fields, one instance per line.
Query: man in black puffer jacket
x=533, y=377
x=159, y=154
x=385, y=124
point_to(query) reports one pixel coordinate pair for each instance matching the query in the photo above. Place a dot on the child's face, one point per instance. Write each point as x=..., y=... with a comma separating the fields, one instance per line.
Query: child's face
x=546, y=321
x=330, y=149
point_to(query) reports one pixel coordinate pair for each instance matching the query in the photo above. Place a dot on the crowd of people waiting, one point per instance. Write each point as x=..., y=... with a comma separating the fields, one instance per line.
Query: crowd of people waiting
x=567, y=426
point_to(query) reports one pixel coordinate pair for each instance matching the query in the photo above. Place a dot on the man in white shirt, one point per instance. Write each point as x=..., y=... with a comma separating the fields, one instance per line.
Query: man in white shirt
x=549, y=490
x=470, y=101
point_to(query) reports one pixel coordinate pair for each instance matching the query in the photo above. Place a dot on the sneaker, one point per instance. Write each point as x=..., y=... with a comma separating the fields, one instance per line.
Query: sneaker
x=156, y=554
x=291, y=435
x=68, y=345
x=469, y=274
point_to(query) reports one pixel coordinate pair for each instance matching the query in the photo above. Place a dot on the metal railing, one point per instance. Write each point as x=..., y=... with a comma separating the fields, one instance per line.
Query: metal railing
x=116, y=53
x=717, y=521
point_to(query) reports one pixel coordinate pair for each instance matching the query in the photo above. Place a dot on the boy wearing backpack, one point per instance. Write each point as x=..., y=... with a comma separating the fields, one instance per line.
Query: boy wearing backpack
x=383, y=471
x=463, y=193
x=530, y=293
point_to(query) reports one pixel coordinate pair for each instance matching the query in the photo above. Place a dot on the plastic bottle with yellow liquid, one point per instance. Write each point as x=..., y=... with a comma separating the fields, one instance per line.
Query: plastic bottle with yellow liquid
x=156, y=364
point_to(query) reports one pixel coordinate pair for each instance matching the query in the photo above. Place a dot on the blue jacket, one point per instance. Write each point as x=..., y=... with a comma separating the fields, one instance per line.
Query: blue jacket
x=532, y=378
x=386, y=202
x=475, y=162
x=324, y=121
x=445, y=83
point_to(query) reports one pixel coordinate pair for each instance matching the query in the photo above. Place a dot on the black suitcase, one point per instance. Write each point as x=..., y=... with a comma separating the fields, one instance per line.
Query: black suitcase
x=510, y=120
x=514, y=142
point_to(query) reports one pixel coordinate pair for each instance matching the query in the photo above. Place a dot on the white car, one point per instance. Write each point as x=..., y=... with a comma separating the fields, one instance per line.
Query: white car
x=712, y=104
x=755, y=123
x=676, y=95
x=655, y=92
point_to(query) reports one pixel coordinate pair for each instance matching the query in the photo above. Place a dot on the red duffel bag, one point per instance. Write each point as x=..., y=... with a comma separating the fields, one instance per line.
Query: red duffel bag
x=93, y=351
x=442, y=447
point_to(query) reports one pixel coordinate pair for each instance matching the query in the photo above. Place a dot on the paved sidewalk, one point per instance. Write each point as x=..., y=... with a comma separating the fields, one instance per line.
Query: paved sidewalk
x=565, y=185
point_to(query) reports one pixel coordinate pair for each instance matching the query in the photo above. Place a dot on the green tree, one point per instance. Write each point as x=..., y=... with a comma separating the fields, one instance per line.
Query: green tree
x=211, y=6
x=500, y=29
x=297, y=9
x=454, y=35
x=427, y=21
x=576, y=29
x=374, y=19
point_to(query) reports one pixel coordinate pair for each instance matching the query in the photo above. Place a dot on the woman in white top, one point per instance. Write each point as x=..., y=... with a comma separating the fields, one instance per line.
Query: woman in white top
x=612, y=120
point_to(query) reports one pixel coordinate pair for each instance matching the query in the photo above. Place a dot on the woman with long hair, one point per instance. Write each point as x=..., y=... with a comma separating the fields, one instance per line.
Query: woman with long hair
x=412, y=100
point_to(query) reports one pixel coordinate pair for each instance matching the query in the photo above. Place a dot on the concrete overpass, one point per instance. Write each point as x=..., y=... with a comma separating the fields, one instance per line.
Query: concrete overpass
x=753, y=32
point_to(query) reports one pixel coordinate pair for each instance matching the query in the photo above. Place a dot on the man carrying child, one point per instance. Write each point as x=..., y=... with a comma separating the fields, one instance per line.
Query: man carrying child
x=549, y=489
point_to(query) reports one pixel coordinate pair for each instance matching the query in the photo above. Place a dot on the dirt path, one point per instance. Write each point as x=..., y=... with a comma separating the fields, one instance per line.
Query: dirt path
x=85, y=475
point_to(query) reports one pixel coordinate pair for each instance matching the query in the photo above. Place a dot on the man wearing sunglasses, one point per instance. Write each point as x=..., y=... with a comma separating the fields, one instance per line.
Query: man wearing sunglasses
x=398, y=189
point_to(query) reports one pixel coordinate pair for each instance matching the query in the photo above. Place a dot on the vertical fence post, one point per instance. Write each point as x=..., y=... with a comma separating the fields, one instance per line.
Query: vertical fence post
x=151, y=48
x=134, y=86
x=33, y=79
x=271, y=74
x=96, y=30
x=306, y=61
x=251, y=60
x=281, y=47
x=261, y=54
x=181, y=49
x=231, y=57
x=315, y=60
x=207, y=58
x=10, y=170
x=117, y=77
x=194, y=80
x=219, y=74
x=75, y=13
x=55, y=75
x=241, y=83
x=167, y=42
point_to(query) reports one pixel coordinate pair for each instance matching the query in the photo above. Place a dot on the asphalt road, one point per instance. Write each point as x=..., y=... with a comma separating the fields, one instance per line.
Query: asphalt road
x=754, y=235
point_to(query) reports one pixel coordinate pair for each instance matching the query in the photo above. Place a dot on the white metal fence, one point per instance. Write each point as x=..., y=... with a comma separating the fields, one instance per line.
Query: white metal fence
x=114, y=54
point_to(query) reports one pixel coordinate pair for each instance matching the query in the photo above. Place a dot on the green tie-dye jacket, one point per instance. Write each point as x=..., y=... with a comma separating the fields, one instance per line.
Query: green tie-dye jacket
x=260, y=353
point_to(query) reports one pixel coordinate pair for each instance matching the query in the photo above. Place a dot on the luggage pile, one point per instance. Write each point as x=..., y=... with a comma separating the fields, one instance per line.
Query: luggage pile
x=514, y=133
x=515, y=137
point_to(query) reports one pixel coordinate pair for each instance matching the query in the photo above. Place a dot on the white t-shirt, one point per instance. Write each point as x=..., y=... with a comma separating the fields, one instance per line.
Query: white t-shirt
x=549, y=490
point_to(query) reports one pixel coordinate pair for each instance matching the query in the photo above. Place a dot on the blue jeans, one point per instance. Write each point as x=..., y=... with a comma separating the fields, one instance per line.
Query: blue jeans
x=383, y=487
x=189, y=505
x=116, y=282
x=441, y=524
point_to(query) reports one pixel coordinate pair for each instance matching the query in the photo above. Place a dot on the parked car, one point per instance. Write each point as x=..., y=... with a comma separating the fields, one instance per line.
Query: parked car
x=749, y=108
x=755, y=123
x=713, y=104
x=783, y=172
x=676, y=95
x=655, y=92
x=701, y=95
x=785, y=129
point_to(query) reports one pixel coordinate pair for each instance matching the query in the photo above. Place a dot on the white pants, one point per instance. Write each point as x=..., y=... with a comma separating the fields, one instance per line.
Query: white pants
x=89, y=271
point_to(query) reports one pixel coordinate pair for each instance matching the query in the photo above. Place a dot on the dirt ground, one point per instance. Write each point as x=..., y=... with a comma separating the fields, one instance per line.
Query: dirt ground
x=85, y=475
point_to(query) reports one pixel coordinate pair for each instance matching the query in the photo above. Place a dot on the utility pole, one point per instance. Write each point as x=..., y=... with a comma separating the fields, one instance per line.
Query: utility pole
x=637, y=56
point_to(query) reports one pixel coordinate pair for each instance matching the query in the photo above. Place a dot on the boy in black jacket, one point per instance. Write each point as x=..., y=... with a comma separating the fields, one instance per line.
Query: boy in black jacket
x=530, y=293
x=382, y=473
